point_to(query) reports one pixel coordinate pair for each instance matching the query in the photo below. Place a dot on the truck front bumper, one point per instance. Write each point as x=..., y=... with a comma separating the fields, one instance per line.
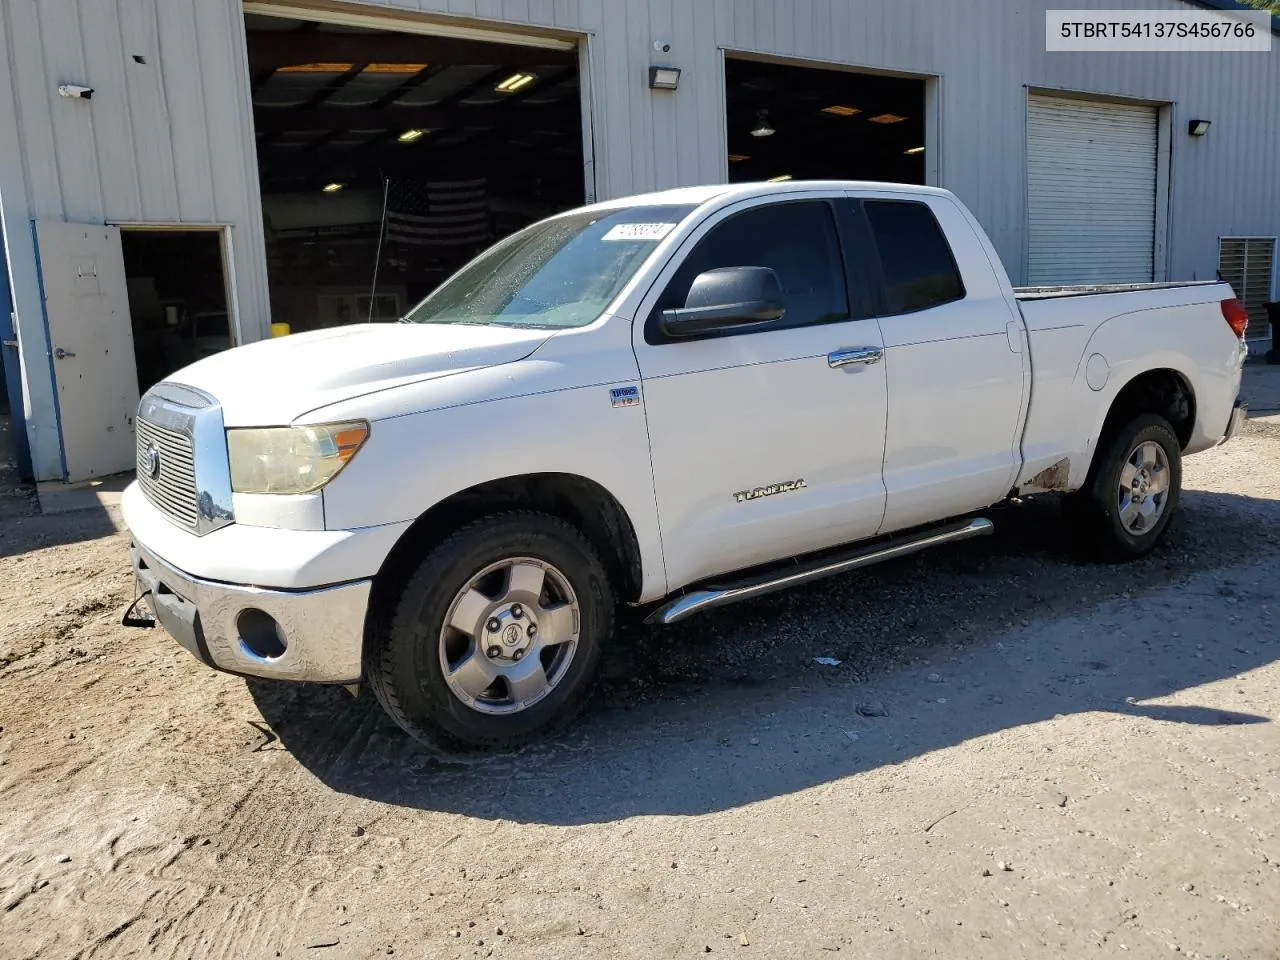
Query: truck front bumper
x=285, y=604
x=315, y=635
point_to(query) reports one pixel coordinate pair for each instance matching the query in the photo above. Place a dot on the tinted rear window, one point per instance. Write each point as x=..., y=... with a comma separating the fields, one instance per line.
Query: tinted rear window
x=919, y=270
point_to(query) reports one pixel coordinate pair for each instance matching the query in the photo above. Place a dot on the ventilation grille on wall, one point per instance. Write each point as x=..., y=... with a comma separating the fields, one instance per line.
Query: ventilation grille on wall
x=1247, y=263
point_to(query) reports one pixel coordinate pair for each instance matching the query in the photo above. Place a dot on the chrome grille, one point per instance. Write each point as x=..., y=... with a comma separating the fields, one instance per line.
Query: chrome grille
x=173, y=488
x=180, y=432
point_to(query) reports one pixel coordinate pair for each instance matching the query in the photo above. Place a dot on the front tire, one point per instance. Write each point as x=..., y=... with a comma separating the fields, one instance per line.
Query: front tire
x=1132, y=493
x=497, y=635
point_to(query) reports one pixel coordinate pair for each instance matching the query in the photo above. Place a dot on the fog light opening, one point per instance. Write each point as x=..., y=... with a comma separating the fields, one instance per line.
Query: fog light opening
x=261, y=634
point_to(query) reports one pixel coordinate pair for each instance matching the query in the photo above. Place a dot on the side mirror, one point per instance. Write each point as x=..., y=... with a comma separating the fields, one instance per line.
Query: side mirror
x=724, y=299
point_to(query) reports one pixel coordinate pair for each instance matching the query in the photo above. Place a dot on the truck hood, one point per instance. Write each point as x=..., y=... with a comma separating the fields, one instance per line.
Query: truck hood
x=273, y=382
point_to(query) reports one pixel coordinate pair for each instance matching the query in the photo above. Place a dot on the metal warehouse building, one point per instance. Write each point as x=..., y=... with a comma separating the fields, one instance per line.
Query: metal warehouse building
x=178, y=175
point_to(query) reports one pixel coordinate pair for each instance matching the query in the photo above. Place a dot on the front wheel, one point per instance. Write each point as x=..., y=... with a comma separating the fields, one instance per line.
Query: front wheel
x=497, y=635
x=1133, y=492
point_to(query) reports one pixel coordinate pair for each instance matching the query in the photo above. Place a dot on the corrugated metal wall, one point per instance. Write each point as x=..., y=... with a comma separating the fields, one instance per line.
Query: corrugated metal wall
x=166, y=140
x=172, y=139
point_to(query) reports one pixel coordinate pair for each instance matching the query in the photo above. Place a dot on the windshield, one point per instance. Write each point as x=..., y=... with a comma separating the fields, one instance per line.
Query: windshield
x=555, y=274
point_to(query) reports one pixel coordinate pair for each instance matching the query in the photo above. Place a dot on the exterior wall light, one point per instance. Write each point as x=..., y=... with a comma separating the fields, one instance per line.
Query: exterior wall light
x=1198, y=128
x=664, y=78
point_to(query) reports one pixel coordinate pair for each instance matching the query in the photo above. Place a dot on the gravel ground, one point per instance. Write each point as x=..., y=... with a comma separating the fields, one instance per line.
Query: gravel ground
x=1019, y=755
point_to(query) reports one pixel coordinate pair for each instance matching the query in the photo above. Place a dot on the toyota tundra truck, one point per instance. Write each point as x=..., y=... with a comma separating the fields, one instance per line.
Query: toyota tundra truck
x=674, y=401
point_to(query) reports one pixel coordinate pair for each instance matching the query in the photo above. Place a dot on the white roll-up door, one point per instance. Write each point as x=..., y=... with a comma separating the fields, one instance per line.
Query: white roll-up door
x=1091, y=179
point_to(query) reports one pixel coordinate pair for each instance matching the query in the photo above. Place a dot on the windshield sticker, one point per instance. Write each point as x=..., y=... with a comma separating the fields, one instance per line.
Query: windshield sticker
x=639, y=231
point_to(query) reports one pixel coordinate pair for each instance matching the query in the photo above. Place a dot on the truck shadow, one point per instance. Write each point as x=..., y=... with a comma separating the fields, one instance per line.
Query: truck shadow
x=730, y=708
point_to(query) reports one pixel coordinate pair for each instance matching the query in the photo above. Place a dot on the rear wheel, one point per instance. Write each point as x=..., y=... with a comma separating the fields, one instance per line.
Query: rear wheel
x=497, y=635
x=1132, y=493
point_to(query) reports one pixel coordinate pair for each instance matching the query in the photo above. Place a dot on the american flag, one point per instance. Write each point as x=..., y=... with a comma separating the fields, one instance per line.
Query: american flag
x=439, y=213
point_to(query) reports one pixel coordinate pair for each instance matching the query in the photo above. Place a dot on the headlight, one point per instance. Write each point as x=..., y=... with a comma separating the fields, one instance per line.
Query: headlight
x=291, y=459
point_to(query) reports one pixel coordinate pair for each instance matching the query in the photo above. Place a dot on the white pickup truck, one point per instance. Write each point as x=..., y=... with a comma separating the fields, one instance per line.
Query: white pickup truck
x=675, y=400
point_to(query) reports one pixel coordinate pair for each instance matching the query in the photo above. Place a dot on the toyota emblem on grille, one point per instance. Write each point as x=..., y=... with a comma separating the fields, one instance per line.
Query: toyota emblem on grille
x=153, y=462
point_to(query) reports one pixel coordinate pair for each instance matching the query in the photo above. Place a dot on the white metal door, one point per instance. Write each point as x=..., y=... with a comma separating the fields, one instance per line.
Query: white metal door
x=957, y=365
x=733, y=420
x=1091, y=191
x=767, y=443
x=91, y=337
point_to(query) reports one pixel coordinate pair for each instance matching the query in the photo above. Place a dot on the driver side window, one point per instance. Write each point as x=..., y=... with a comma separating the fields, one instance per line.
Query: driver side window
x=797, y=240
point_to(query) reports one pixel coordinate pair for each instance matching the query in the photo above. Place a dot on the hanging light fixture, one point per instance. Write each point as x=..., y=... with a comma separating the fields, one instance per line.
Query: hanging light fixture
x=763, y=127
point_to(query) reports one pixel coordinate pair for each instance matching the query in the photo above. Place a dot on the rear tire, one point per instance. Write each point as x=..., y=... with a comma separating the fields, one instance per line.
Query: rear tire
x=1132, y=493
x=497, y=635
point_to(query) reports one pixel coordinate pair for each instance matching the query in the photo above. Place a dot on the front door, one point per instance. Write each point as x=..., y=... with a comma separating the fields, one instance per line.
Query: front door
x=766, y=442
x=87, y=313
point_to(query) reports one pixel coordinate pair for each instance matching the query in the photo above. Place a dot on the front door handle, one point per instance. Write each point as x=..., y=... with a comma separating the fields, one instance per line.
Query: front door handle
x=854, y=355
x=62, y=354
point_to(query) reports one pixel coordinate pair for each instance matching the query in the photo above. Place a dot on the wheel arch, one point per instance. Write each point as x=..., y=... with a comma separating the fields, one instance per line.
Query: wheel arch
x=573, y=498
x=1164, y=391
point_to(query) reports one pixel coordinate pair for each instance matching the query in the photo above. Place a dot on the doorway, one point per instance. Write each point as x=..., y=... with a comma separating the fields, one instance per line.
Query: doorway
x=15, y=456
x=388, y=159
x=809, y=123
x=178, y=302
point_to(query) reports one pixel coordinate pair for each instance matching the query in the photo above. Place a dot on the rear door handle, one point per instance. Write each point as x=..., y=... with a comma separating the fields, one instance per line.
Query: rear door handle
x=854, y=355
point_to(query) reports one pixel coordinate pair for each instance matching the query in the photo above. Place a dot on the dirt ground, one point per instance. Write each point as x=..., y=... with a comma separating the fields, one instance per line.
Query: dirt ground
x=1018, y=756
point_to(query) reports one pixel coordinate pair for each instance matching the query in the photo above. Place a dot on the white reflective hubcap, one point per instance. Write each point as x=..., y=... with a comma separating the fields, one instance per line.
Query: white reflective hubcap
x=1143, y=490
x=509, y=635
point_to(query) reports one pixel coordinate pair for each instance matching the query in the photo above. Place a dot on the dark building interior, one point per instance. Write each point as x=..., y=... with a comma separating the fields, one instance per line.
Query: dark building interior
x=387, y=160
x=811, y=124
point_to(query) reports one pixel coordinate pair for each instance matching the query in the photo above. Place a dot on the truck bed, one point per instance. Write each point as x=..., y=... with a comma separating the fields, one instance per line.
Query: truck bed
x=1090, y=289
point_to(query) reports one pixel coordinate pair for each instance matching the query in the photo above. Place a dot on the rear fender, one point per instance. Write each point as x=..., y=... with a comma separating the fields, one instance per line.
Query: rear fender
x=1203, y=353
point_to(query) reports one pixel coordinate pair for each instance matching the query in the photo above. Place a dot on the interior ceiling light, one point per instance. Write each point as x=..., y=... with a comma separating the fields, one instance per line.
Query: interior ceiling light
x=780, y=178
x=738, y=157
x=886, y=118
x=913, y=151
x=400, y=69
x=517, y=81
x=316, y=68
x=763, y=127
x=839, y=110
x=409, y=136
x=333, y=187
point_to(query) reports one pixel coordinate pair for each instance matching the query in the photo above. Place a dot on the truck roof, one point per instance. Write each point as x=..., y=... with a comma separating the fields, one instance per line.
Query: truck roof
x=742, y=191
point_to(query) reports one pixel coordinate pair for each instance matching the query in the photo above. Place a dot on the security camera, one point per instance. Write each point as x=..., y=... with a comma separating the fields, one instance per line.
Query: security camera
x=75, y=91
x=662, y=46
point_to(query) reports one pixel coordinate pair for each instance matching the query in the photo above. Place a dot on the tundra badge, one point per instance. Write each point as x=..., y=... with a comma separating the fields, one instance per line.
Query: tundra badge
x=742, y=496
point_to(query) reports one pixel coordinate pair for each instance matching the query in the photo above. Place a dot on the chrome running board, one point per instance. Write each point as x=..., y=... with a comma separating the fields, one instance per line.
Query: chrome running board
x=710, y=597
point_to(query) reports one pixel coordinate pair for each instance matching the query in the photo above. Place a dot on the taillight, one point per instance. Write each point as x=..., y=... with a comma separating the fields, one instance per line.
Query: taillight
x=1236, y=315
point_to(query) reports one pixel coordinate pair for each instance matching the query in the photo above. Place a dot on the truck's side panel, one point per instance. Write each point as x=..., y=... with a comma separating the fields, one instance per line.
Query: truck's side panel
x=1129, y=333
x=552, y=413
x=1193, y=341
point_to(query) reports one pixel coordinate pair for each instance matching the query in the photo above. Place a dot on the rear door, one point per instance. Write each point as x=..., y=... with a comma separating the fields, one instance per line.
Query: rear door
x=955, y=359
x=764, y=443
x=87, y=312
